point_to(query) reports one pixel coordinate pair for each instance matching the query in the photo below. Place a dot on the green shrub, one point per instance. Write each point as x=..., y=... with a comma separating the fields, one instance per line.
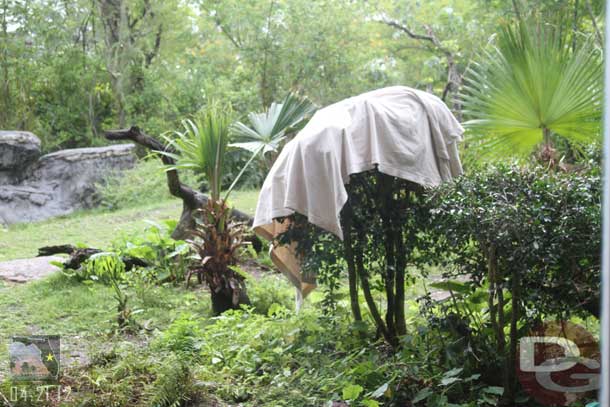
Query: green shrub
x=130, y=374
x=544, y=226
x=532, y=238
x=168, y=258
x=270, y=292
x=182, y=337
x=173, y=385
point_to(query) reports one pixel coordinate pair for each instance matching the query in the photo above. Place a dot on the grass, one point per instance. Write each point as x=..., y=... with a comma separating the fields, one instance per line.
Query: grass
x=85, y=315
x=97, y=228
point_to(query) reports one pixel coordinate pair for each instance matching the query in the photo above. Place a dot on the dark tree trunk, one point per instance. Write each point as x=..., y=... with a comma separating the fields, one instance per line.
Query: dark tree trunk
x=347, y=215
x=401, y=265
x=391, y=203
x=385, y=191
x=223, y=300
x=508, y=398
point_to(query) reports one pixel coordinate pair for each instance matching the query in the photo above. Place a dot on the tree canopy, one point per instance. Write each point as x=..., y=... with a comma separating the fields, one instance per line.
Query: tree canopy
x=69, y=69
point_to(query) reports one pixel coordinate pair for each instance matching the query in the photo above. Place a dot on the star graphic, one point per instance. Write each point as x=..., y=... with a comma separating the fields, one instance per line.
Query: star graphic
x=50, y=357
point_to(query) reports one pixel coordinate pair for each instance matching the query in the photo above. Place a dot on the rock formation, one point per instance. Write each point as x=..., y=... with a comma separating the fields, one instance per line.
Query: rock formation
x=34, y=188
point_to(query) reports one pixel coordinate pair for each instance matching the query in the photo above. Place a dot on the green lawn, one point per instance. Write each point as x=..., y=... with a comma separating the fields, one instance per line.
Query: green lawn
x=97, y=228
x=85, y=315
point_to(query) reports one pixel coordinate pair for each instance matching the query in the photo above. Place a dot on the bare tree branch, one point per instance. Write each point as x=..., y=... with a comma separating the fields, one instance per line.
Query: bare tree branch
x=598, y=34
x=223, y=28
x=153, y=53
x=454, y=77
x=191, y=198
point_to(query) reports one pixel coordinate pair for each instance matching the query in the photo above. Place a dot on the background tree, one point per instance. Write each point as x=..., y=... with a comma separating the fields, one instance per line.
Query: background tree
x=70, y=68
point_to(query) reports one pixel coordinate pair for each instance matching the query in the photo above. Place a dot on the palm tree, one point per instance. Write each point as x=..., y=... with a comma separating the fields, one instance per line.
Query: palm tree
x=530, y=86
x=269, y=129
x=201, y=147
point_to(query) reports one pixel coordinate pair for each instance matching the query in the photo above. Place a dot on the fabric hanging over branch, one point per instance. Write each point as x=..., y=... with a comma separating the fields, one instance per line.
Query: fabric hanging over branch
x=403, y=132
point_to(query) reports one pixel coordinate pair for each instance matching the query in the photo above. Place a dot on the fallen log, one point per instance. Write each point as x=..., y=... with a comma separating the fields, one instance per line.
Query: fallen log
x=78, y=255
x=192, y=200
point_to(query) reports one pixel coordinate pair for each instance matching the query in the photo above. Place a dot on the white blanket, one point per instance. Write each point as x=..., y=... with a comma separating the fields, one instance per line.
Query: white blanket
x=403, y=132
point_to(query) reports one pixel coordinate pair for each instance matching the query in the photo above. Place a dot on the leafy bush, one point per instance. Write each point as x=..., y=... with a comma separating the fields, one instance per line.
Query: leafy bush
x=269, y=293
x=132, y=375
x=173, y=385
x=182, y=337
x=168, y=258
x=532, y=237
x=545, y=226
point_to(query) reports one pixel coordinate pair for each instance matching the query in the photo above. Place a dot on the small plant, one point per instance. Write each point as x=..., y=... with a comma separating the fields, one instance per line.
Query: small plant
x=270, y=293
x=108, y=268
x=182, y=337
x=168, y=258
x=217, y=240
x=173, y=385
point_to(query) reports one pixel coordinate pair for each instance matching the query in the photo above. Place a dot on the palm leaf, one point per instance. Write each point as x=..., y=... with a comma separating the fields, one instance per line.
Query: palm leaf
x=201, y=146
x=267, y=130
x=529, y=84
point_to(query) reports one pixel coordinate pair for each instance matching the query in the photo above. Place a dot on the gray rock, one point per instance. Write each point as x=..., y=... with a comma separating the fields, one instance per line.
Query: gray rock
x=24, y=270
x=18, y=149
x=61, y=182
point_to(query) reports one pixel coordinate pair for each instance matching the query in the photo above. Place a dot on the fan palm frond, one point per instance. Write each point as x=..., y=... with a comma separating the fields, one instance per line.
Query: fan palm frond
x=267, y=130
x=532, y=85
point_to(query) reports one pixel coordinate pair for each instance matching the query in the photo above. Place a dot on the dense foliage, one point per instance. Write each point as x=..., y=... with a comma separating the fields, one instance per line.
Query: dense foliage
x=529, y=235
x=523, y=241
x=72, y=68
x=545, y=225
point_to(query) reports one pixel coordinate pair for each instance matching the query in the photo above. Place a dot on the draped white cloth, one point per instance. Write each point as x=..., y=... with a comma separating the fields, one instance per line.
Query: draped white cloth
x=402, y=131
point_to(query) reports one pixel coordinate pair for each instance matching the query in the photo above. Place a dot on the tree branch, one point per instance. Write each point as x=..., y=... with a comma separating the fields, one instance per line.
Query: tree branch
x=79, y=255
x=176, y=188
x=192, y=199
x=454, y=78
x=598, y=34
x=153, y=53
x=223, y=28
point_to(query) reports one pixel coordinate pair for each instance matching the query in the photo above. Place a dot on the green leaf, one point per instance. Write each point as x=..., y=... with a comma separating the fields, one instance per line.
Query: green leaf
x=352, y=391
x=450, y=380
x=530, y=81
x=422, y=395
x=453, y=372
x=370, y=403
x=268, y=129
x=452, y=285
x=494, y=390
x=380, y=391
